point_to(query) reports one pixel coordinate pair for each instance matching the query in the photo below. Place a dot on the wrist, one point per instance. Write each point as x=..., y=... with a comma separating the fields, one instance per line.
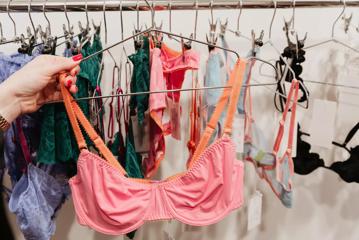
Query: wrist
x=10, y=107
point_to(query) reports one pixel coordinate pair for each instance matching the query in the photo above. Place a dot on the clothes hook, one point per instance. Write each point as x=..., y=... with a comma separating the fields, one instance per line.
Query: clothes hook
x=211, y=8
x=13, y=21
x=121, y=18
x=170, y=14
x=239, y=15
x=273, y=17
x=104, y=20
x=29, y=13
x=138, y=14
x=196, y=19
x=293, y=16
x=337, y=19
x=47, y=19
x=67, y=17
x=87, y=16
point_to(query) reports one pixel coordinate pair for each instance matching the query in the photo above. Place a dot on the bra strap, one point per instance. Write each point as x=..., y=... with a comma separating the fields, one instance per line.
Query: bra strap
x=236, y=91
x=293, y=90
x=235, y=81
x=76, y=115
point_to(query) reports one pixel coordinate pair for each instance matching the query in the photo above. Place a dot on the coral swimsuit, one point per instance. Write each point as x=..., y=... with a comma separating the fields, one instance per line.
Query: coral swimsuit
x=108, y=201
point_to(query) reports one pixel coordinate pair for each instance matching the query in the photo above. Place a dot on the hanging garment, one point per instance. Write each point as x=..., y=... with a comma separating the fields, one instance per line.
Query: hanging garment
x=57, y=143
x=140, y=81
x=35, y=199
x=109, y=202
x=29, y=124
x=305, y=161
x=175, y=65
x=215, y=76
x=348, y=169
x=276, y=170
x=195, y=117
x=157, y=107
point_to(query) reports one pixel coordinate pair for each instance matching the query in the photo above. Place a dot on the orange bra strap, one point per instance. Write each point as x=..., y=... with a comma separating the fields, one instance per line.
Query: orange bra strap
x=236, y=91
x=235, y=81
x=76, y=115
x=96, y=139
x=71, y=114
x=294, y=87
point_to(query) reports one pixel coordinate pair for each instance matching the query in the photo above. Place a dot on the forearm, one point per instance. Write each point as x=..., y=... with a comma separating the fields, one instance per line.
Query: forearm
x=9, y=103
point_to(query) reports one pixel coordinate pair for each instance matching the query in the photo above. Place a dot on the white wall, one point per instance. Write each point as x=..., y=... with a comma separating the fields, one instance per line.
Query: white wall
x=324, y=206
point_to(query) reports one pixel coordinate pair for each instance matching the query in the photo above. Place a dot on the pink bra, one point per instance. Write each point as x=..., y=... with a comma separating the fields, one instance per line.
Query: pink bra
x=109, y=202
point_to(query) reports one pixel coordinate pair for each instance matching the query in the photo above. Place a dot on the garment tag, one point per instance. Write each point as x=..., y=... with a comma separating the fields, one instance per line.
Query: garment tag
x=323, y=123
x=255, y=210
x=141, y=133
x=238, y=132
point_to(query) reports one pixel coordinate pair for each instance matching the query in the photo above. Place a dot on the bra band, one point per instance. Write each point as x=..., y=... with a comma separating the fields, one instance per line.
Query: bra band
x=76, y=115
x=235, y=81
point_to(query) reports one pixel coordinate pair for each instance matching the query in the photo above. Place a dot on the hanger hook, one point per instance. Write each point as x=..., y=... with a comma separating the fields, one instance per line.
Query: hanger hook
x=13, y=21
x=240, y=13
x=211, y=7
x=47, y=19
x=293, y=15
x=196, y=19
x=170, y=14
x=104, y=20
x=273, y=17
x=29, y=13
x=121, y=17
x=67, y=17
x=138, y=13
x=337, y=19
x=87, y=16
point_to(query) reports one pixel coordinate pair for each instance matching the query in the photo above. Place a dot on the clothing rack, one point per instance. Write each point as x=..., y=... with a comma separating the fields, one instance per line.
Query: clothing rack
x=128, y=5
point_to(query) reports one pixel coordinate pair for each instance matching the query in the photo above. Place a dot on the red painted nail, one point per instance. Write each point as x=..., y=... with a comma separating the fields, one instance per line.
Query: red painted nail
x=69, y=83
x=77, y=57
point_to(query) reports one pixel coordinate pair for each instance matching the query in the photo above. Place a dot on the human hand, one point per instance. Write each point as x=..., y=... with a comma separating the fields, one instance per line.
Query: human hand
x=37, y=83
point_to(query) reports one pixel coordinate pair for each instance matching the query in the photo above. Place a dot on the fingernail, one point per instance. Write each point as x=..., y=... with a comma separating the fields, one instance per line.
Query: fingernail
x=77, y=57
x=69, y=83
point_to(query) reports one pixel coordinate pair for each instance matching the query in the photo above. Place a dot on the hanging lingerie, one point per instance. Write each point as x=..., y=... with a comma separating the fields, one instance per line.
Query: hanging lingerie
x=306, y=162
x=109, y=202
x=276, y=170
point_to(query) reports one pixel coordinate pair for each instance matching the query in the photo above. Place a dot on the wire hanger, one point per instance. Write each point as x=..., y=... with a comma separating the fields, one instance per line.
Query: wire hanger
x=279, y=93
x=332, y=38
x=49, y=42
x=237, y=32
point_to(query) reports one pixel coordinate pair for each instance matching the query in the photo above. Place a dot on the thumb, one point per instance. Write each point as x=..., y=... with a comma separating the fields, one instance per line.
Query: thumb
x=59, y=64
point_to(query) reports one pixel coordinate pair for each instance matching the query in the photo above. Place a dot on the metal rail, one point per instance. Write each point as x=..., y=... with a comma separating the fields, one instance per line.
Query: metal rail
x=128, y=5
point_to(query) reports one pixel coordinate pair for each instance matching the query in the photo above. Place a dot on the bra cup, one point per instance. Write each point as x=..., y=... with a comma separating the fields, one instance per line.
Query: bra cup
x=348, y=170
x=305, y=161
x=109, y=201
x=208, y=189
